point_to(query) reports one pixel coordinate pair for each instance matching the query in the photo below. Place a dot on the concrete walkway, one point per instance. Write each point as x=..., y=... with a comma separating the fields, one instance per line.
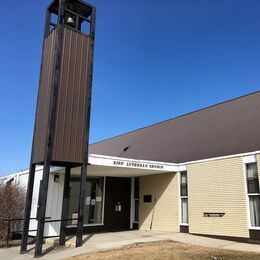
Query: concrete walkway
x=108, y=241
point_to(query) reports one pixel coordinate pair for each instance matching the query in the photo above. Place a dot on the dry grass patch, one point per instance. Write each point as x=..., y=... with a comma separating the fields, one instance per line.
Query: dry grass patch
x=168, y=250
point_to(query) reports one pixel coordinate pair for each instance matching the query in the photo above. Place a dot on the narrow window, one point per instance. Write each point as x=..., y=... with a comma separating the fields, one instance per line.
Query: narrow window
x=254, y=207
x=184, y=189
x=252, y=178
x=184, y=210
x=253, y=194
x=184, y=197
x=136, y=200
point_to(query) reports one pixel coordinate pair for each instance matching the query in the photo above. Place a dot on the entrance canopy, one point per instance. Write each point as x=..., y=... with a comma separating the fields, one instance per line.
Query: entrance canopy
x=101, y=165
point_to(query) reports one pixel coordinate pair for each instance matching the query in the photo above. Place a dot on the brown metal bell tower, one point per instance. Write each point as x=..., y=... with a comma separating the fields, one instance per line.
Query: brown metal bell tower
x=61, y=130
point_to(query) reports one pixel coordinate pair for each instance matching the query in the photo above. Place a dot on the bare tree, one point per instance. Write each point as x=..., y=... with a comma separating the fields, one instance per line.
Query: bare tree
x=12, y=197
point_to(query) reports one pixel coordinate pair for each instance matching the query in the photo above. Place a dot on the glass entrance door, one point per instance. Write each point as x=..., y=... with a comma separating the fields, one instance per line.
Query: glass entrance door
x=93, y=209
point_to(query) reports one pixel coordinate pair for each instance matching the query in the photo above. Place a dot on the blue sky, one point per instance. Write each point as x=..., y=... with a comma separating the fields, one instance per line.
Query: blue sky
x=153, y=60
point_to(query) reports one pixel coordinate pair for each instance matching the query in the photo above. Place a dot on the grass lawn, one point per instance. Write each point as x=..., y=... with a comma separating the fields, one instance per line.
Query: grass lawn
x=168, y=250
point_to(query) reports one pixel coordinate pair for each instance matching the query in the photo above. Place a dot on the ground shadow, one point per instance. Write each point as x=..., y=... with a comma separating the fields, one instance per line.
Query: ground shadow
x=87, y=238
x=48, y=250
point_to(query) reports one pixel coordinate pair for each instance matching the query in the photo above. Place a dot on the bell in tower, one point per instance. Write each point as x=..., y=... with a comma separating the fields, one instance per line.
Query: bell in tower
x=61, y=130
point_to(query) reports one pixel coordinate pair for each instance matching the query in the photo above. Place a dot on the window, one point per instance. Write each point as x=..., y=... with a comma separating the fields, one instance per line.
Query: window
x=136, y=200
x=184, y=197
x=253, y=194
x=184, y=210
x=252, y=178
x=184, y=190
x=93, y=201
x=254, y=208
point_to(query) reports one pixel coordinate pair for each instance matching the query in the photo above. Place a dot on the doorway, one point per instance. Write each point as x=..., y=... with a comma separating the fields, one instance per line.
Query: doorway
x=117, y=203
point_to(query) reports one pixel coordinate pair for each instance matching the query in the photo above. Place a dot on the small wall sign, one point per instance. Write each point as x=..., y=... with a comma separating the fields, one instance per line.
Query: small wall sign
x=213, y=214
x=147, y=198
x=138, y=165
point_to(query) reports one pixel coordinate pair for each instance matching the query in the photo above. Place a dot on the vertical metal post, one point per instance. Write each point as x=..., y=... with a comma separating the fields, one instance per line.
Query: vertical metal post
x=27, y=210
x=42, y=210
x=83, y=175
x=51, y=130
x=28, y=202
x=65, y=206
x=82, y=189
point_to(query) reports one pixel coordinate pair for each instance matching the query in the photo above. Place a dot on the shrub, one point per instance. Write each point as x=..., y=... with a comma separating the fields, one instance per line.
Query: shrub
x=12, y=198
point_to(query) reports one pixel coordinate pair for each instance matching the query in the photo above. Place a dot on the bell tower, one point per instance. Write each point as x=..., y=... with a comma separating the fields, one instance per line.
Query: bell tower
x=61, y=129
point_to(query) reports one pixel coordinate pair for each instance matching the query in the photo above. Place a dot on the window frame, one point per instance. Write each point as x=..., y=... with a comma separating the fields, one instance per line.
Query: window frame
x=252, y=178
x=183, y=184
x=252, y=161
x=103, y=207
x=253, y=196
x=136, y=200
x=182, y=197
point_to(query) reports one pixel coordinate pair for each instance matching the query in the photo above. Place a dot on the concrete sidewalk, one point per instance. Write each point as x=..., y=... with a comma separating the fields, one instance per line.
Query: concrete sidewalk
x=108, y=241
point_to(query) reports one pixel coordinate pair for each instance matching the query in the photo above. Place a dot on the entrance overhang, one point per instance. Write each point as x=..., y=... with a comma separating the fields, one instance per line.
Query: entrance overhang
x=102, y=165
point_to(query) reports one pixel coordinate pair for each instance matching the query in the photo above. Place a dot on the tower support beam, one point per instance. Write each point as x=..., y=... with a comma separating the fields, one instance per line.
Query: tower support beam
x=82, y=190
x=83, y=176
x=27, y=210
x=64, y=93
x=51, y=130
x=65, y=206
x=42, y=210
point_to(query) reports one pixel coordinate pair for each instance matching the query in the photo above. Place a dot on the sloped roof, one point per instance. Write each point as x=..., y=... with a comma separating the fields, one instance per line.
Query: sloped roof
x=226, y=128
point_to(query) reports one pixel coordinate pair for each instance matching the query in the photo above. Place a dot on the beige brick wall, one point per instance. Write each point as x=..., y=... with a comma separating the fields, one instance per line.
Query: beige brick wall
x=164, y=188
x=218, y=186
